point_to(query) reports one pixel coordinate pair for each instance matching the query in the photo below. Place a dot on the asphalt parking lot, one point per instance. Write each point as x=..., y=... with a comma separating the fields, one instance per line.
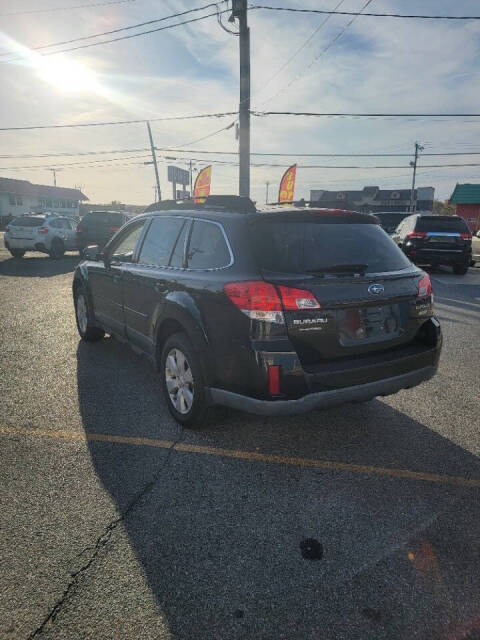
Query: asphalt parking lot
x=116, y=523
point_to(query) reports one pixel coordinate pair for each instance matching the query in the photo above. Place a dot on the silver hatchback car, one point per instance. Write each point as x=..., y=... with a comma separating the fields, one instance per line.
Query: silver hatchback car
x=46, y=232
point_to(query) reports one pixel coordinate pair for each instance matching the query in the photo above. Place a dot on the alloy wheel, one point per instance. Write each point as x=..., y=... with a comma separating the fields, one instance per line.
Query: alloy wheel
x=179, y=381
x=82, y=316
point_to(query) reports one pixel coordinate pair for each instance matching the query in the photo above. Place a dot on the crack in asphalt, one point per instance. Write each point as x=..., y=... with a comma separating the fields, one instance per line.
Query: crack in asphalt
x=100, y=544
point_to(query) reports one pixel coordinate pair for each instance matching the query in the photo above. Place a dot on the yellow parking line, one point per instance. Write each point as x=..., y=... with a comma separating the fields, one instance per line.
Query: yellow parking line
x=252, y=456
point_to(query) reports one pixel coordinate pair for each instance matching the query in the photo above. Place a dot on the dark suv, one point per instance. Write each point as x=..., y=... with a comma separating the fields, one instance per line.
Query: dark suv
x=97, y=227
x=274, y=313
x=436, y=240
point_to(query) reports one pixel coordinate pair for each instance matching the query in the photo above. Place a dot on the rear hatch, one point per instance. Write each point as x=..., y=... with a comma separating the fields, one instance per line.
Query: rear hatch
x=98, y=226
x=441, y=234
x=25, y=227
x=367, y=289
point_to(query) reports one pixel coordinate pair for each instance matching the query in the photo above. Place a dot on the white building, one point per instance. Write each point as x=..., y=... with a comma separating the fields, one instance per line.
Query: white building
x=20, y=196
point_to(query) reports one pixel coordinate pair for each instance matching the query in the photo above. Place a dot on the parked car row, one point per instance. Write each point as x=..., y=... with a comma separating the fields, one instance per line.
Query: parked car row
x=54, y=234
x=274, y=312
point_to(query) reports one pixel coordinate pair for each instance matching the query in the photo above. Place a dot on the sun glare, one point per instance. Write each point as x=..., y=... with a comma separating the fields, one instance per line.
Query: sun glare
x=68, y=76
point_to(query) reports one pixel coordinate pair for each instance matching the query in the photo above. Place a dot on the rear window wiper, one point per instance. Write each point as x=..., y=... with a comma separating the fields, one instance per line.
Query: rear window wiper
x=340, y=268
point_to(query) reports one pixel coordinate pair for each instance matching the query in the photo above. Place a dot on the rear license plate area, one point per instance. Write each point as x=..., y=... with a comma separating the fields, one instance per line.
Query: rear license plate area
x=442, y=239
x=368, y=324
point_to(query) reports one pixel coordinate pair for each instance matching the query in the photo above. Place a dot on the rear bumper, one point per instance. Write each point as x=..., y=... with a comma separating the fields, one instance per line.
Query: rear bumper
x=323, y=399
x=20, y=243
x=439, y=256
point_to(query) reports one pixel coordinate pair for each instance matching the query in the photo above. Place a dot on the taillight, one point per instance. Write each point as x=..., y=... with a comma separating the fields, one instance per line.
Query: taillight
x=257, y=299
x=425, y=287
x=261, y=300
x=417, y=234
x=295, y=299
x=43, y=230
x=79, y=229
x=114, y=229
x=466, y=236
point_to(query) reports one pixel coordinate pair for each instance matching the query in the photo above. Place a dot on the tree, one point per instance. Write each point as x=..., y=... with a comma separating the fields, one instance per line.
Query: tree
x=443, y=208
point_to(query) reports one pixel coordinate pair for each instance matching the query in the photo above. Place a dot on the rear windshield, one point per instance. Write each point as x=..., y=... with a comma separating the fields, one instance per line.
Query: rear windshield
x=27, y=222
x=103, y=219
x=390, y=219
x=451, y=224
x=302, y=247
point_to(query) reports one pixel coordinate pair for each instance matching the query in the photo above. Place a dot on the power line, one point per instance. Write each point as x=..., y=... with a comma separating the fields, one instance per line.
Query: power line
x=63, y=8
x=364, y=115
x=254, y=113
x=233, y=163
x=301, y=48
x=102, y=124
x=319, y=55
x=230, y=153
x=68, y=153
x=72, y=164
x=107, y=33
x=319, y=155
x=133, y=35
x=368, y=15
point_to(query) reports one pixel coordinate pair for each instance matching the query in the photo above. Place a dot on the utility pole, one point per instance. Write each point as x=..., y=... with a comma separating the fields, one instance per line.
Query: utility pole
x=191, y=180
x=267, y=184
x=54, y=177
x=154, y=160
x=418, y=147
x=239, y=10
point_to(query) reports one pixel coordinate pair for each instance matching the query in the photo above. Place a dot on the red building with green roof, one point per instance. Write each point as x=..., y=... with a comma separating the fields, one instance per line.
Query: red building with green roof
x=466, y=198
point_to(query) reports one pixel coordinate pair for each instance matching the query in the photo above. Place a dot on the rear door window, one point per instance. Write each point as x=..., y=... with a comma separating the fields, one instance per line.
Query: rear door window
x=448, y=225
x=125, y=247
x=160, y=241
x=207, y=248
x=308, y=247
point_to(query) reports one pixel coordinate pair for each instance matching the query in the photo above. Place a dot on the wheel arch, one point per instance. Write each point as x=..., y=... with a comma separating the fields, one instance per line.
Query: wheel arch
x=177, y=320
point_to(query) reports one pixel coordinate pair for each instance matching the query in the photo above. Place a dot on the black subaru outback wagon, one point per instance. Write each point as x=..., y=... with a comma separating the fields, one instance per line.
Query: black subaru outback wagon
x=274, y=312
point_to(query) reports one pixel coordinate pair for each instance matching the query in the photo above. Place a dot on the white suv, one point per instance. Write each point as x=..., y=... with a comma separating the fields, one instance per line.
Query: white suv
x=48, y=233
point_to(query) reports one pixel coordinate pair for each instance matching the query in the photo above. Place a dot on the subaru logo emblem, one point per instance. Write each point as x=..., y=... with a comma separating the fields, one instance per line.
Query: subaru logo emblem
x=376, y=289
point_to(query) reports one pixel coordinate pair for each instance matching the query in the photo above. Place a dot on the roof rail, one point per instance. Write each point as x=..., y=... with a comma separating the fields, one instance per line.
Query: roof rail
x=227, y=203
x=239, y=204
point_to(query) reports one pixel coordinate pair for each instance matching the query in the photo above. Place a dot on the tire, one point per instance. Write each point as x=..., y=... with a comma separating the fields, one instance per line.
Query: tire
x=57, y=249
x=178, y=360
x=460, y=269
x=83, y=316
x=17, y=253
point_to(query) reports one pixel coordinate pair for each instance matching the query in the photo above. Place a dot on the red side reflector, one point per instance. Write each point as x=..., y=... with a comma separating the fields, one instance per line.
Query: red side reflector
x=274, y=379
x=466, y=236
x=43, y=230
x=114, y=229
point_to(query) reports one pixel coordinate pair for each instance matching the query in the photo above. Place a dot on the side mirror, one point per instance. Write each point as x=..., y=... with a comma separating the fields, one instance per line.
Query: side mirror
x=92, y=253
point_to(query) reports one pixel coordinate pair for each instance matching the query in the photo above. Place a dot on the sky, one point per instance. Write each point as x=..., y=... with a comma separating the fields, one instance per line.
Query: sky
x=376, y=65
